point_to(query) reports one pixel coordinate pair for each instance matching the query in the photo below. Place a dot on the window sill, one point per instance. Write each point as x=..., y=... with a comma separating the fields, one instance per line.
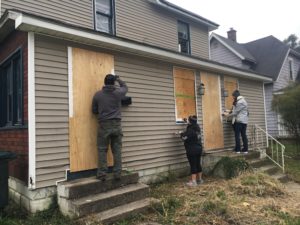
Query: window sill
x=20, y=127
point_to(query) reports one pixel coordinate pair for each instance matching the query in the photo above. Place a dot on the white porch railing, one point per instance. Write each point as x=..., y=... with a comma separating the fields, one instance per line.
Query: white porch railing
x=267, y=144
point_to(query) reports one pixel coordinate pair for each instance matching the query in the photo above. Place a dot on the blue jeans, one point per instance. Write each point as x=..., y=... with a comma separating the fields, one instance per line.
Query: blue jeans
x=240, y=130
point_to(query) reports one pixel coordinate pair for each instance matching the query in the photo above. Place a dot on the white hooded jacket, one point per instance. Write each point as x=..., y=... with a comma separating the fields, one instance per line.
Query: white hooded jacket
x=240, y=111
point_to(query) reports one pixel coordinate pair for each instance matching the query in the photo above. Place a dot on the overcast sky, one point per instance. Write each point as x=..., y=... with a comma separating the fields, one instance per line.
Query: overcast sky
x=252, y=19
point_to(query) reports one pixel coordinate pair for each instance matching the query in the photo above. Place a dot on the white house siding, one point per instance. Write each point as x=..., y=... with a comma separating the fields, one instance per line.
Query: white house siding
x=76, y=12
x=221, y=54
x=52, y=135
x=148, y=23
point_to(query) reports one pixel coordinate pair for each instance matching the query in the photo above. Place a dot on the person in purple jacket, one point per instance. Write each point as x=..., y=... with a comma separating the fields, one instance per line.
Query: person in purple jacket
x=107, y=105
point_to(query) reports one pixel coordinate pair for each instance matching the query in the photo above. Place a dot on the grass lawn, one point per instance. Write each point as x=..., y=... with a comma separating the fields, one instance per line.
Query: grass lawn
x=292, y=160
x=13, y=215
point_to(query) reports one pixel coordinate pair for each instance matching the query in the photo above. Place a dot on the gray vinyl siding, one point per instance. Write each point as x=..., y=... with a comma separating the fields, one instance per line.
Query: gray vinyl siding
x=149, y=123
x=135, y=20
x=221, y=54
x=296, y=67
x=199, y=41
x=76, y=12
x=284, y=76
x=149, y=144
x=52, y=111
x=272, y=121
x=283, y=79
x=147, y=23
x=253, y=93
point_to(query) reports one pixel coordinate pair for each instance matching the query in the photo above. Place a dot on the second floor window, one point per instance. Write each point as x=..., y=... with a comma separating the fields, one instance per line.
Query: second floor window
x=11, y=92
x=183, y=38
x=104, y=16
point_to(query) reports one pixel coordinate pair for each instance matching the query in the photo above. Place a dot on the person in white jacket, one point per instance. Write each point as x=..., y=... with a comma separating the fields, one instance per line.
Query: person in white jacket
x=241, y=114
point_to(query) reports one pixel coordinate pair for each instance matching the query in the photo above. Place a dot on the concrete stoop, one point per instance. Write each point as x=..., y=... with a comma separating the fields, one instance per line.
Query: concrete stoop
x=90, y=199
x=268, y=167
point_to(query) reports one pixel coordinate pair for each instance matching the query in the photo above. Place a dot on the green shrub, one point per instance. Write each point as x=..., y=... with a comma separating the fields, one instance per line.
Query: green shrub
x=228, y=167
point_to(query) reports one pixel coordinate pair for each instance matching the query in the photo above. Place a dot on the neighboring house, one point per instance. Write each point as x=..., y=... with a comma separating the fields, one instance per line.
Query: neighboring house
x=268, y=56
x=53, y=58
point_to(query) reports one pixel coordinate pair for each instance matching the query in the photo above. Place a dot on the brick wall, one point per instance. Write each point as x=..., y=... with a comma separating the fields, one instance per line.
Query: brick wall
x=16, y=140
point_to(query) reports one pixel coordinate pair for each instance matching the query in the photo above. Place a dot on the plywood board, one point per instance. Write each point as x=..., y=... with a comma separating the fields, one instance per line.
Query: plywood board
x=211, y=109
x=184, y=80
x=230, y=84
x=89, y=69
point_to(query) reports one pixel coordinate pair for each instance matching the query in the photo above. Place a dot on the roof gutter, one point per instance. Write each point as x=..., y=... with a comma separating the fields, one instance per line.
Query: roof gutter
x=211, y=26
x=47, y=27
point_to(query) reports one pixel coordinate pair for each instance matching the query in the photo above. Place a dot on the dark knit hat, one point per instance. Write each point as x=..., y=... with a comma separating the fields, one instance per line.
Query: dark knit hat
x=236, y=93
x=193, y=119
x=109, y=79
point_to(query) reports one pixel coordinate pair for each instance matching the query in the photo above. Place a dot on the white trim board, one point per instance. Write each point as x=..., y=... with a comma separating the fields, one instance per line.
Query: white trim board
x=70, y=81
x=31, y=113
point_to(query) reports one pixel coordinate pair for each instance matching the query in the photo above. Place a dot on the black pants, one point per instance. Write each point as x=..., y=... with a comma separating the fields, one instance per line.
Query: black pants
x=195, y=164
x=240, y=130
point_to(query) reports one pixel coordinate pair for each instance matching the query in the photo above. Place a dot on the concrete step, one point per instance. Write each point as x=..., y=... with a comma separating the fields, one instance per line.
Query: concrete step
x=251, y=155
x=269, y=169
x=89, y=186
x=118, y=213
x=283, y=178
x=108, y=200
x=256, y=163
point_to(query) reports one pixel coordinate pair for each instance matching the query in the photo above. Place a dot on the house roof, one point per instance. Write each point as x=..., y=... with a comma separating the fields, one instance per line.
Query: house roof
x=57, y=29
x=236, y=48
x=183, y=12
x=270, y=54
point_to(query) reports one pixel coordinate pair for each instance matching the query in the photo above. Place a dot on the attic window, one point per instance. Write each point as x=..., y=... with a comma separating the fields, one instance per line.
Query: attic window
x=183, y=37
x=104, y=16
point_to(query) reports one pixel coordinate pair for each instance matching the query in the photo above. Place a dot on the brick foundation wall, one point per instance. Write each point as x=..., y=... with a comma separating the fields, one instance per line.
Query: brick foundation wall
x=16, y=139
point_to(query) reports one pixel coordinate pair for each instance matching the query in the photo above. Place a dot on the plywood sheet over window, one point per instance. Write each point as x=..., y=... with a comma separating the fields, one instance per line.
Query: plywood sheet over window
x=88, y=71
x=185, y=98
x=230, y=84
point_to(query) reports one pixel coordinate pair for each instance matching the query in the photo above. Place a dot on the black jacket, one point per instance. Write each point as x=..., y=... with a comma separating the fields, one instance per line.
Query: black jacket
x=192, y=139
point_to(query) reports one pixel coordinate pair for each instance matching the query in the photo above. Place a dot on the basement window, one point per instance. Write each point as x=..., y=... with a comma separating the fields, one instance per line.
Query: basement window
x=11, y=91
x=104, y=16
x=183, y=37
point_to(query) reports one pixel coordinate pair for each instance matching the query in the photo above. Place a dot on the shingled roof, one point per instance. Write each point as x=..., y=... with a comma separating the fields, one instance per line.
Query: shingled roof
x=269, y=53
x=239, y=48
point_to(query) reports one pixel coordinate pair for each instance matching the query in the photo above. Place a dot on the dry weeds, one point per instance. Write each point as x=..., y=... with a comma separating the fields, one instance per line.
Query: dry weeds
x=247, y=199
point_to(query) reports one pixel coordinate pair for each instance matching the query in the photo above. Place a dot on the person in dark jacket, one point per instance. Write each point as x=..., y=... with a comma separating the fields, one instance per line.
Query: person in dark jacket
x=192, y=143
x=107, y=105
